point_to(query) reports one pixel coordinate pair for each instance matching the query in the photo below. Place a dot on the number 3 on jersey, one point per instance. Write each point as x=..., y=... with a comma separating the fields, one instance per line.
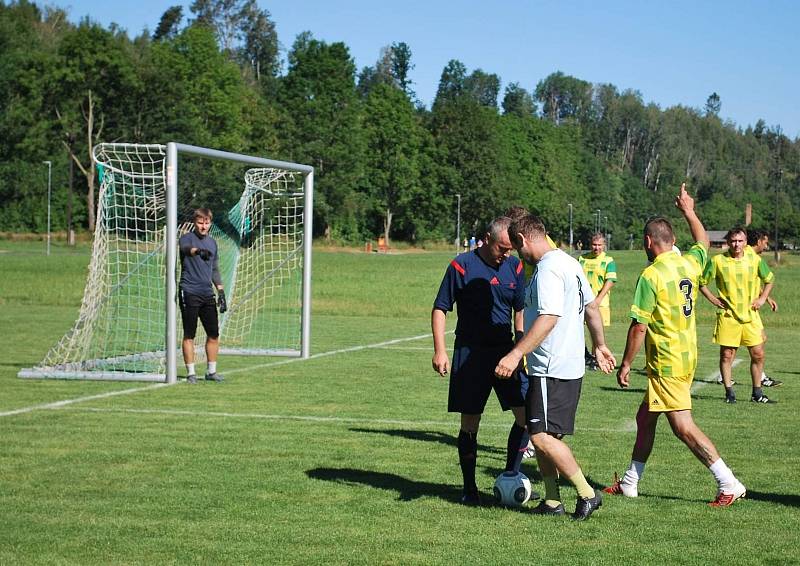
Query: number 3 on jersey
x=686, y=287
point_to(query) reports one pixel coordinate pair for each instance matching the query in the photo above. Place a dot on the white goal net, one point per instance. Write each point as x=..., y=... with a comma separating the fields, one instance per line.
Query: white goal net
x=129, y=327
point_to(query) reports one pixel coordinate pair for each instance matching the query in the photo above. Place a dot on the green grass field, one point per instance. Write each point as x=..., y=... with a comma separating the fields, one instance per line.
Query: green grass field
x=349, y=457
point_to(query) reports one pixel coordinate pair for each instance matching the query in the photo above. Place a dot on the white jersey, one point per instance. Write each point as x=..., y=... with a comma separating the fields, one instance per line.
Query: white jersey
x=558, y=287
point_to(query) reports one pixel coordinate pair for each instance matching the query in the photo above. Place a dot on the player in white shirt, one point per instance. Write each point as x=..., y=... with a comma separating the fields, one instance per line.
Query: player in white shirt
x=558, y=300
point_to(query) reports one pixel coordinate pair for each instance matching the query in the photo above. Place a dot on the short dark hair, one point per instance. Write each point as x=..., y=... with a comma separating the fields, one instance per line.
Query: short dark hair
x=754, y=235
x=529, y=226
x=660, y=230
x=735, y=230
x=203, y=213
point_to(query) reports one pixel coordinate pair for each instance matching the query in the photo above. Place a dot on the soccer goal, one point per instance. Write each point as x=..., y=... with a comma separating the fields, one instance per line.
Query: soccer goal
x=128, y=326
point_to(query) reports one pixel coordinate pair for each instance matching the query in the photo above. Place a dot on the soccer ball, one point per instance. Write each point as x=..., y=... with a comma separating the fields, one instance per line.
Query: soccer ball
x=512, y=489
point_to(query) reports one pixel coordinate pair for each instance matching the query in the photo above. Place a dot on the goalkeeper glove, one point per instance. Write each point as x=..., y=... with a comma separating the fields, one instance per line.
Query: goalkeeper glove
x=204, y=254
x=223, y=305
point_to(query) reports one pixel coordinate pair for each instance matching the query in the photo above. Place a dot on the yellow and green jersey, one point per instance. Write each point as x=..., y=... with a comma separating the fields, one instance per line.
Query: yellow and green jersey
x=738, y=280
x=664, y=300
x=599, y=269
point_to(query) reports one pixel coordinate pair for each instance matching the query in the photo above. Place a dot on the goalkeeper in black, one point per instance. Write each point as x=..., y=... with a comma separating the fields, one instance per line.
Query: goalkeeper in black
x=199, y=277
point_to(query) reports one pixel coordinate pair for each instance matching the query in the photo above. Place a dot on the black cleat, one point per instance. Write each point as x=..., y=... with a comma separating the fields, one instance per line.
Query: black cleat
x=586, y=506
x=214, y=377
x=544, y=509
x=471, y=499
x=767, y=381
x=191, y=378
x=762, y=399
x=730, y=399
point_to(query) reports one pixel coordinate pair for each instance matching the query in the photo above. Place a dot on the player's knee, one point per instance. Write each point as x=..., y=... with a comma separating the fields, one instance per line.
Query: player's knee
x=682, y=428
x=727, y=354
x=542, y=441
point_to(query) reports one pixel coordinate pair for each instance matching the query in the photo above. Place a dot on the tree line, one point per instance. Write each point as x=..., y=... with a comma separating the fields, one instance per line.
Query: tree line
x=385, y=164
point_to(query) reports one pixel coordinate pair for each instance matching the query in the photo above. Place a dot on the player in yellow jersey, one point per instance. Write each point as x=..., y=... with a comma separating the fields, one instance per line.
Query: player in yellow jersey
x=757, y=243
x=738, y=277
x=664, y=320
x=601, y=271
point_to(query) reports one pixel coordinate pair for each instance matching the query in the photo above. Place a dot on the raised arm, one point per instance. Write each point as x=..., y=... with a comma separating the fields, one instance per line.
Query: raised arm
x=685, y=204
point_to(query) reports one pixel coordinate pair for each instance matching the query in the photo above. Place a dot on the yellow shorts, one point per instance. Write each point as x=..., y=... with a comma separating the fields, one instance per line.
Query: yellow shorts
x=668, y=393
x=732, y=333
x=605, y=312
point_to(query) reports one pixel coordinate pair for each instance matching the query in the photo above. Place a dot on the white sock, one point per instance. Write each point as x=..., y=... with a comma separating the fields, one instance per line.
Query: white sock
x=763, y=375
x=190, y=369
x=212, y=367
x=634, y=473
x=723, y=474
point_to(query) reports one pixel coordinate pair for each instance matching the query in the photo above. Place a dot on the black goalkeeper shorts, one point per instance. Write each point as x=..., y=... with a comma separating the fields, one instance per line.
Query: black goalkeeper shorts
x=194, y=306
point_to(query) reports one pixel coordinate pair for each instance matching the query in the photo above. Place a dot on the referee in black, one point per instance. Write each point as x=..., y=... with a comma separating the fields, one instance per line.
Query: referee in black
x=199, y=277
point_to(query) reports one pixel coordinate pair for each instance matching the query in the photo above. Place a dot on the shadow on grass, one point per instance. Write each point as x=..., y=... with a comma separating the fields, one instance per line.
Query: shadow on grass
x=780, y=498
x=427, y=436
x=406, y=489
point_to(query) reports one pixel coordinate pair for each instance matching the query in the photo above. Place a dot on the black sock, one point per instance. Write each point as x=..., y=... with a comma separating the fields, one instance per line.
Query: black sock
x=515, y=436
x=467, y=455
x=729, y=392
x=757, y=393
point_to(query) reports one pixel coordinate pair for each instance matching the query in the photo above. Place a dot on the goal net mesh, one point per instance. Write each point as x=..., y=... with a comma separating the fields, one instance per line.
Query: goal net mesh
x=121, y=329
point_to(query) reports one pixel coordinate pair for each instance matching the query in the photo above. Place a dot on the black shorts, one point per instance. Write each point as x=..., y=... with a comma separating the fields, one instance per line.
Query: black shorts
x=193, y=306
x=551, y=404
x=472, y=380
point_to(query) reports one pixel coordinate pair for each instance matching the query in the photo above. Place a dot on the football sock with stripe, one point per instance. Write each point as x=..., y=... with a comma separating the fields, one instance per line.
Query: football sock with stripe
x=579, y=481
x=515, y=448
x=467, y=455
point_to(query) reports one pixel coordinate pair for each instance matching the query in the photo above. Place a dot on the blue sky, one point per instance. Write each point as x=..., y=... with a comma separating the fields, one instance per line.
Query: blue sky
x=673, y=52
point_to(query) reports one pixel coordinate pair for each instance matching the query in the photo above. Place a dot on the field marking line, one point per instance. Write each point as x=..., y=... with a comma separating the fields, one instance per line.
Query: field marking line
x=64, y=403
x=59, y=404
x=307, y=418
x=334, y=352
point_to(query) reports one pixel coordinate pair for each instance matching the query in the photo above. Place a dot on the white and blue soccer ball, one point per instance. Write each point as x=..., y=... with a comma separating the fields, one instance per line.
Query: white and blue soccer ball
x=512, y=489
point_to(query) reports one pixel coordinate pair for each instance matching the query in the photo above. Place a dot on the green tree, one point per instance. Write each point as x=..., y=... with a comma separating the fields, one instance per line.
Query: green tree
x=393, y=142
x=169, y=24
x=713, y=105
x=518, y=101
x=319, y=95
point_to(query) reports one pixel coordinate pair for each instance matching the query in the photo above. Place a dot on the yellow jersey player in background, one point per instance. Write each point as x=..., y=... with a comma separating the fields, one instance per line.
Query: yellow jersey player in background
x=663, y=318
x=757, y=243
x=601, y=271
x=739, y=277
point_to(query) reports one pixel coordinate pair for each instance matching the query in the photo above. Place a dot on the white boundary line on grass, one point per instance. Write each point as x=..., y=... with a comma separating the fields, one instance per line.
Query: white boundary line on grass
x=335, y=352
x=60, y=404
x=308, y=418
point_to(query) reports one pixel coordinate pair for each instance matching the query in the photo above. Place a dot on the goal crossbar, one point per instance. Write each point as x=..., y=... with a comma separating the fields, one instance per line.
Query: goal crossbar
x=149, y=175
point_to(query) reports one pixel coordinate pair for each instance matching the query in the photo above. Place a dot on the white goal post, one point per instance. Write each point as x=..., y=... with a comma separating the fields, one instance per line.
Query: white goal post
x=128, y=324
